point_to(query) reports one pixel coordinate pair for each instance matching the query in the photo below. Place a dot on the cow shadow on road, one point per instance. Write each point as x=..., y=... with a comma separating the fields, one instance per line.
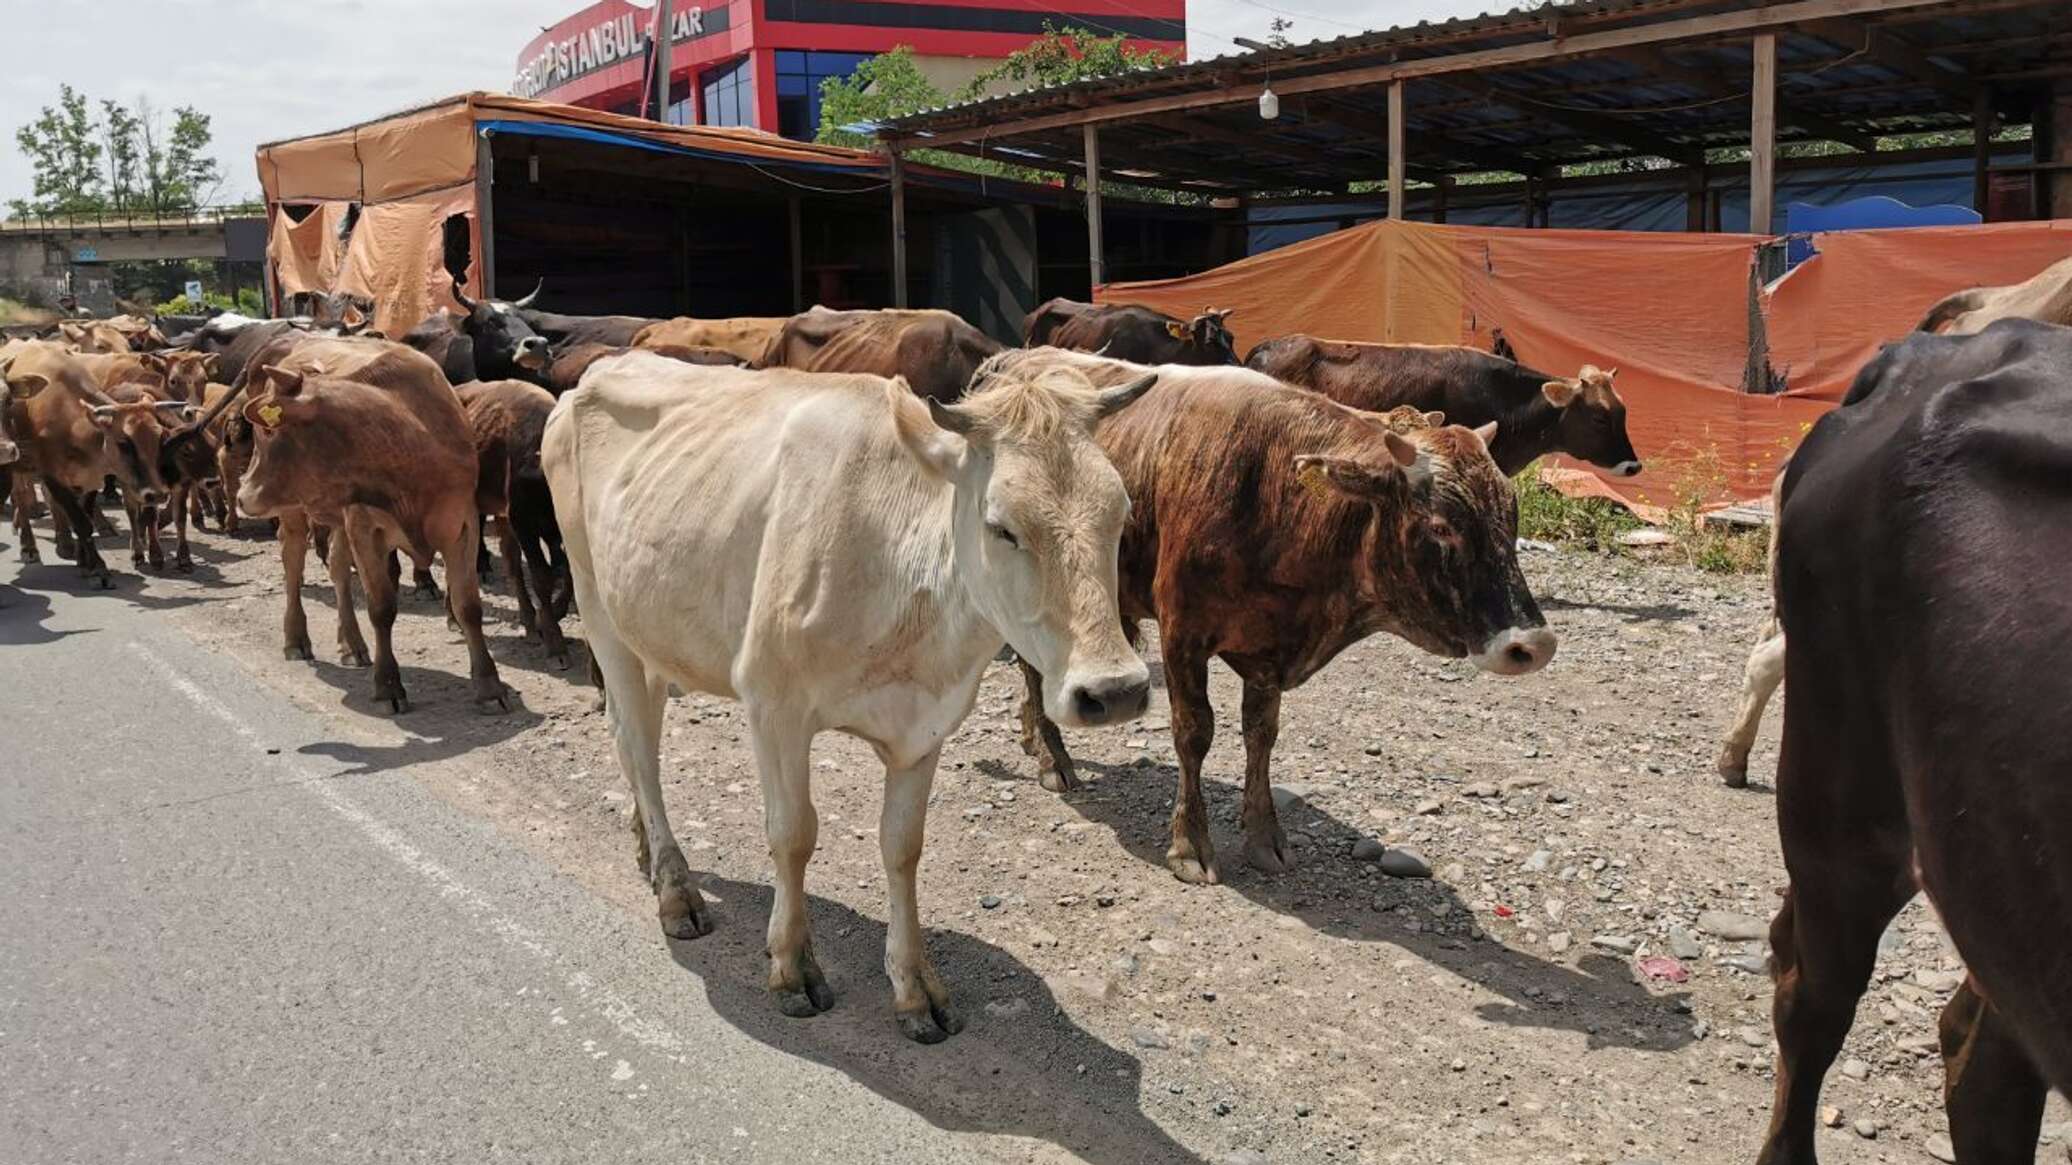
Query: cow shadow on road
x=1597, y=997
x=1021, y=1066
x=443, y=720
x=1653, y=613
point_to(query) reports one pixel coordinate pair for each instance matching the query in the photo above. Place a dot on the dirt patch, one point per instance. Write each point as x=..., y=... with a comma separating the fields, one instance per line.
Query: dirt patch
x=1492, y=1013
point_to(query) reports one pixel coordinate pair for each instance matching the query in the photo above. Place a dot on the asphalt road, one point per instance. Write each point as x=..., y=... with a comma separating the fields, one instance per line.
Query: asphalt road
x=215, y=947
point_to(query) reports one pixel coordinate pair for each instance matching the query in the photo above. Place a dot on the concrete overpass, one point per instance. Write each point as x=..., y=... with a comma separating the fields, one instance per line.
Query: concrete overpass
x=41, y=257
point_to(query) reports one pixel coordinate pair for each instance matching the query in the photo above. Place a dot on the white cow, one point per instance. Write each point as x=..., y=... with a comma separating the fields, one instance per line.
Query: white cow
x=836, y=554
x=1765, y=669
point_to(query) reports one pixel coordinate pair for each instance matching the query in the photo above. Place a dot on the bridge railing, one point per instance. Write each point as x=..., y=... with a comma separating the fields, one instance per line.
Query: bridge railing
x=105, y=221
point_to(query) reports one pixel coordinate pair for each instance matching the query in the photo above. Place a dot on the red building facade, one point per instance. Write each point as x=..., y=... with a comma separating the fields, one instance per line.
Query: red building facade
x=760, y=62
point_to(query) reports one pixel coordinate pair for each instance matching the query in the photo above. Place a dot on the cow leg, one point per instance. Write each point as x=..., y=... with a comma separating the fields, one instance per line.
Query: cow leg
x=143, y=535
x=549, y=579
x=635, y=714
x=1266, y=847
x=227, y=467
x=1041, y=738
x=485, y=566
x=421, y=579
x=920, y=1002
x=102, y=527
x=465, y=604
x=1849, y=853
x=294, y=540
x=1759, y=682
x=370, y=553
x=72, y=508
x=1992, y=1092
x=185, y=494
x=507, y=540
x=793, y=826
x=22, y=494
x=1191, y=858
x=352, y=649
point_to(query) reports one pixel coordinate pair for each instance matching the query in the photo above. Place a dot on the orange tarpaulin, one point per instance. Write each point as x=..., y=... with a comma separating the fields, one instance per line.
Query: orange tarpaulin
x=397, y=258
x=1864, y=288
x=306, y=254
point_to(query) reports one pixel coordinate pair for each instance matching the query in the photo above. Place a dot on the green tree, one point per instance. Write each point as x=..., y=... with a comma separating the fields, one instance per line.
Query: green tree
x=1063, y=55
x=1277, y=32
x=120, y=128
x=886, y=86
x=64, y=149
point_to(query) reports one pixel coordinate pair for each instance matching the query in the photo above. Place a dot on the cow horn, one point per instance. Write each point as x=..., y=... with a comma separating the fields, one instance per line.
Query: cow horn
x=527, y=301
x=216, y=410
x=1112, y=400
x=461, y=297
x=169, y=404
x=101, y=412
x=949, y=419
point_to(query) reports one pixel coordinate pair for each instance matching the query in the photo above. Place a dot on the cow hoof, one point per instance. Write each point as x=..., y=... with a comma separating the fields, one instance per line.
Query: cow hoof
x=184, y=565
x=297, y=651
x=560, y=659
x=429, y=591
x=31, y=556
x=1269, y=853
x=398, y=704
x=1193, y=872
x=808, y=1000
x=102, y=579
x=1733, y=772
x=1061, y=778
x=683, y=912
x=354, y=657
x=929, y=1027
x=492, y=697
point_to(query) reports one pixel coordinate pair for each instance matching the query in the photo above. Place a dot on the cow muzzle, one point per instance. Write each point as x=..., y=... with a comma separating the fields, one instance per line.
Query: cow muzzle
x=9, y=452
x=1110, y=699
x=1516, y=651
x=1626, y=468
x=532, y=355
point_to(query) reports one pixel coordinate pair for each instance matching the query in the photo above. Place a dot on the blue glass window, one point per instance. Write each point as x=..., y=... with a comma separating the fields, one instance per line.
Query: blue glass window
x=799, y=75
x=729, y=92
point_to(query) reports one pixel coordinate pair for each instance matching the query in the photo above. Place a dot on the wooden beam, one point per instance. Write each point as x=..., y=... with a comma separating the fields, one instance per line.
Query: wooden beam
x=1051, y=165
x=1096, y=255
x=1721, y=24
x=1762, y=135
x=899, y=230
x=1890, y=50
x=1981, y=150
x=1606, y=126
x=1399, y=195
x=1267, y=141
x=1654, y=60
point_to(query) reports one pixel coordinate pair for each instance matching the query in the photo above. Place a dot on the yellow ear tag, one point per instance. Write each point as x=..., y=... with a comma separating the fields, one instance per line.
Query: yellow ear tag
x=1311, y=475
x=270, y=416
x=1177, y=331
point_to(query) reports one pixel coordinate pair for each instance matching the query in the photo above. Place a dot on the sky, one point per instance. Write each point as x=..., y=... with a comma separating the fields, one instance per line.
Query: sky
x=270, y=69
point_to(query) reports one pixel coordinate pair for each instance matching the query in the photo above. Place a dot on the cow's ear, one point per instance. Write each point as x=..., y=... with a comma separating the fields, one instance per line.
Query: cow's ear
x=26, y=385
x=1560, y=393
x=280, y=381
x=210, y=363
x=930, y=432
x=156, y=362
x=1435, y=420
x=1318, y=472
x=72, y=332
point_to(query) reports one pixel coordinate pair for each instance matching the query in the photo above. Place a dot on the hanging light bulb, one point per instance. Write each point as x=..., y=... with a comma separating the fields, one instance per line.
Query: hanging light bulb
x=1269, y=103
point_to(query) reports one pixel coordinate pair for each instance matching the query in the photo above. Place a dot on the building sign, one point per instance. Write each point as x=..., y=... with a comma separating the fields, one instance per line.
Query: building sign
x=622, y=38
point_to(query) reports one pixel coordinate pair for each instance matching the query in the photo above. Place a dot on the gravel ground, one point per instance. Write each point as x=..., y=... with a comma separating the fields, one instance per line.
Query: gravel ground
x=1491, y=1013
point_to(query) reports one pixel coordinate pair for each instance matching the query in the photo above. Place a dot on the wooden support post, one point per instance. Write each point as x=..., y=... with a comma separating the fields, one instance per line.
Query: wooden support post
x=1762, y=135
x=662, y=55
x=899, y=230
x=798, y=254
x=1981, y=149
x=485, y=215
x=1096, y=254
x=1441, y=191
x=1398, y=196
x=1694, y=199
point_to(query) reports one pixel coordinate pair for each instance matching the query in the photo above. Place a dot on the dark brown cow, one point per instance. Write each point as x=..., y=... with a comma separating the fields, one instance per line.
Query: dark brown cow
x=1272, y=528
x=182, y=467
x=1921, y=544
x=507, y=418
x=569, y=366
x=934, y=350
x=566, y=331
x=1536, y=414
x=72, y=438
x=367, y=438
x=231, y=436
x=1130, y=332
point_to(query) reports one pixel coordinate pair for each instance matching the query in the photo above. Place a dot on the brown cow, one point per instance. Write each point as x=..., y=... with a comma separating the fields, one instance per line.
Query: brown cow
x=934, y=350
x=747, y=337
x=1536, y=414
x=93, y=336
x=506, y=418
x=2045, y=296
x=231, y=437
x=1272, y=528
x=72, y=437
x=367, y=438
x=182, y=467
x=1130, y=332
x=185, y=373
x=1923, y=531
x=569, y=366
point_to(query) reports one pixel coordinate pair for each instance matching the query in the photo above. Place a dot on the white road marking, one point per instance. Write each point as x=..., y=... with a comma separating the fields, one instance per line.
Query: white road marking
x=479, y=909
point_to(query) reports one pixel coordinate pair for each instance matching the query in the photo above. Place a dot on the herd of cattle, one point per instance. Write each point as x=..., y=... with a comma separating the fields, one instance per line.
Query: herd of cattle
x=839, y=518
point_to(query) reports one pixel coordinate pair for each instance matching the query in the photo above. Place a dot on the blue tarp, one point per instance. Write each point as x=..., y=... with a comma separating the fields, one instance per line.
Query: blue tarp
x=580, y=133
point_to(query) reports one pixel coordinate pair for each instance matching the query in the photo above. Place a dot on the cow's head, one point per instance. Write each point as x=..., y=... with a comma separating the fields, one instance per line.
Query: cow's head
x=1205, y=339
x=1036, y=523
x=93, y=338
x=1593, y=420
x=280, y=406
x=1442, y=561
x=503, y=340
x=186, y=373
x=134, y=433
x=13, y=388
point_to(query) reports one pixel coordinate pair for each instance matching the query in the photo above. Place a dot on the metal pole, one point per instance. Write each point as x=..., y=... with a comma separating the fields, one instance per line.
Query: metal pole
x=1981, y=149
x=1762, y=136
x=485, y=215
x=899, y=231
x=798, y=255
x=1399, y=197
x=1096, y=254
x=662, y=60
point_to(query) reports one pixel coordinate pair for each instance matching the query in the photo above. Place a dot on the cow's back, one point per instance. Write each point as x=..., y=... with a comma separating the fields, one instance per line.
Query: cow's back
x=746, y=337
x=1040, y=326
x=1923, y=531
x=1470, y=385
x=935, y=351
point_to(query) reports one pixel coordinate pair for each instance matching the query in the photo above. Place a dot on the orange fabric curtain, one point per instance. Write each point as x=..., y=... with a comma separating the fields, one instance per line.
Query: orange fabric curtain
x=397, y=257
x=306, y=254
